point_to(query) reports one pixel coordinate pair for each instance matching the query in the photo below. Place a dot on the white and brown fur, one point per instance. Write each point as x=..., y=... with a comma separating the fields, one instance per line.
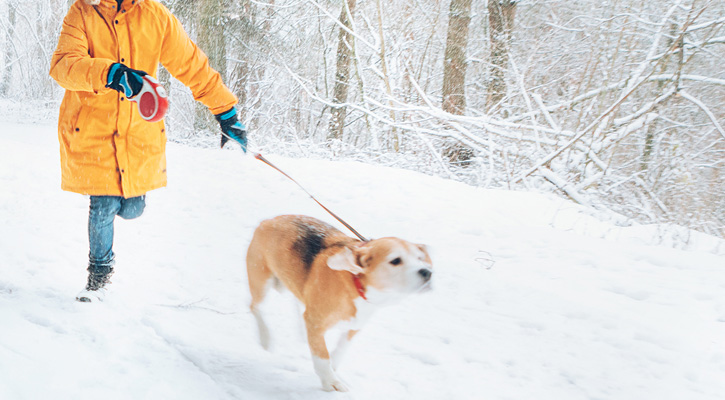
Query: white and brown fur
x=317, y=262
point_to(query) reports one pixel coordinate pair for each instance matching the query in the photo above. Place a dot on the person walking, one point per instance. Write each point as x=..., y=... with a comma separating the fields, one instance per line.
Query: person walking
x=107, y=150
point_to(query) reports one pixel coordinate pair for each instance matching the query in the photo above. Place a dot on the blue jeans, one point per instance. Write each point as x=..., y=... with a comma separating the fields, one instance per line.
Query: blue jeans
x=100, y=227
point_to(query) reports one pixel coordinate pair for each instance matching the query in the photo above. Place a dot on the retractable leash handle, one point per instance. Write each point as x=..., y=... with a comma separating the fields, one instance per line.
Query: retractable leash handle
x=152, y=100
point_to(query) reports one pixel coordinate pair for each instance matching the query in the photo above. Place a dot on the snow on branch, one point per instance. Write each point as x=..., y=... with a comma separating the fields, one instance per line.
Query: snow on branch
x=705, y=109
x=695, y=78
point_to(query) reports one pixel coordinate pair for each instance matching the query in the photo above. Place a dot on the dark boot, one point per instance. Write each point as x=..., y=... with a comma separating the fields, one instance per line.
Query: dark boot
x=99, y=276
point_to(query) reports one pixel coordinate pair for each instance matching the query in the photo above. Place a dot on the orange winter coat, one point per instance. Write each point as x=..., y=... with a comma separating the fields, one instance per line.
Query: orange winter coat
x=106, y=148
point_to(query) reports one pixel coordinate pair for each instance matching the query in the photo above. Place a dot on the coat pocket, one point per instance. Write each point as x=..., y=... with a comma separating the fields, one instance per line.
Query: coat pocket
x=75, y=136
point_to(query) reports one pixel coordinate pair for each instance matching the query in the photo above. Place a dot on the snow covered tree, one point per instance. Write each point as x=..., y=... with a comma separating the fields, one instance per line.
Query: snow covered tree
x=6, y=75
x=342, y=71
x=211, y=39
x=454, y=67
x=501, y=14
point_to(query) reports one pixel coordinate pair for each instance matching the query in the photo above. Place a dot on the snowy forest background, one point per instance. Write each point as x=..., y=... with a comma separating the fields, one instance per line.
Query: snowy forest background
x=616, y=104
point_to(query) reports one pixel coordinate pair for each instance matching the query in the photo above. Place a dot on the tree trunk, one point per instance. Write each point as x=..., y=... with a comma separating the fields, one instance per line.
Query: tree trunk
x=454, y=68
x=454, y=75
x=9, y=34
x=242, y=69
x=501, y=15
x=210, y=38
x=342, y=76
x=386, y=78
x=649, y=139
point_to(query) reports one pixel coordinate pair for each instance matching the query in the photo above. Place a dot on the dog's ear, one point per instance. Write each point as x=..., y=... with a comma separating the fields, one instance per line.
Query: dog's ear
x=344, y=260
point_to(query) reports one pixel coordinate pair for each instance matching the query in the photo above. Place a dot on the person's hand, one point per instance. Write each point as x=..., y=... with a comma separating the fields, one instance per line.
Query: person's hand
x=232, y=128
x=125, y=80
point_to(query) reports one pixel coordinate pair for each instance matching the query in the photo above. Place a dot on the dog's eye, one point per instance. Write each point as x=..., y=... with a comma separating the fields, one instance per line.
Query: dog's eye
x=396, y=261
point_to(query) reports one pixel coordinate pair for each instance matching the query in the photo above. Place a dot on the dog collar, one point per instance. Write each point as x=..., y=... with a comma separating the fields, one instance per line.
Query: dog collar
x=359, y=286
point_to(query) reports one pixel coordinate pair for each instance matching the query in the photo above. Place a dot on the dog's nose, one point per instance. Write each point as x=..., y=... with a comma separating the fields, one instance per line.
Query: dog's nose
x=425, y=273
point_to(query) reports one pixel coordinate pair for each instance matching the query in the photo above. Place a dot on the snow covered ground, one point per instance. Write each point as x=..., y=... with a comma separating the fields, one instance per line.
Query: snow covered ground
x=535, y=298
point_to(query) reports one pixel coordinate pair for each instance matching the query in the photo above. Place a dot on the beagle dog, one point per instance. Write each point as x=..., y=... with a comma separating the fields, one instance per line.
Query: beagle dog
x=340, y=280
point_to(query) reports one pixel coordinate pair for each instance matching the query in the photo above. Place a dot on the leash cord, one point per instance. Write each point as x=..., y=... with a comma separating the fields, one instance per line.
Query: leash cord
x=264, y=160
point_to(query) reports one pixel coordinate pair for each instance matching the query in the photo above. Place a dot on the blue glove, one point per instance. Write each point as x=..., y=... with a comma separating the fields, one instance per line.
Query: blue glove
x=124, y=79
x=232, y=128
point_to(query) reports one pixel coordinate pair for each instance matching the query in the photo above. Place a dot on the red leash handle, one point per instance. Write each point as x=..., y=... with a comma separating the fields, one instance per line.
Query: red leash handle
x=152, y=101
x=264, y=160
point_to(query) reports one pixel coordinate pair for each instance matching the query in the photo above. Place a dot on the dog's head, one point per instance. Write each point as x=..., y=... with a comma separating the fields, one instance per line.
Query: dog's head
x=389, y=265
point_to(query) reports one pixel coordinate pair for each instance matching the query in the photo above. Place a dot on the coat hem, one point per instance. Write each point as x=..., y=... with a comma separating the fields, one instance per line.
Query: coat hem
x=96, y=192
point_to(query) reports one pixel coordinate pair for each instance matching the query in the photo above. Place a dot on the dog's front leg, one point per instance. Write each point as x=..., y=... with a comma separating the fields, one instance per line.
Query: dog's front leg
x=321, y=358
x=339, y=353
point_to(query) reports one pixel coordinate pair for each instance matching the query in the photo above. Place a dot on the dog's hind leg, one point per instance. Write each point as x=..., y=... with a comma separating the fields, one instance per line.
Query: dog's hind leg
x=264, y=338
x=260, y=280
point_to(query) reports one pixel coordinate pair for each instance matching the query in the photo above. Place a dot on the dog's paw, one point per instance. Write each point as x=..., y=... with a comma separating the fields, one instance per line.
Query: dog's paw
x=335, y=386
